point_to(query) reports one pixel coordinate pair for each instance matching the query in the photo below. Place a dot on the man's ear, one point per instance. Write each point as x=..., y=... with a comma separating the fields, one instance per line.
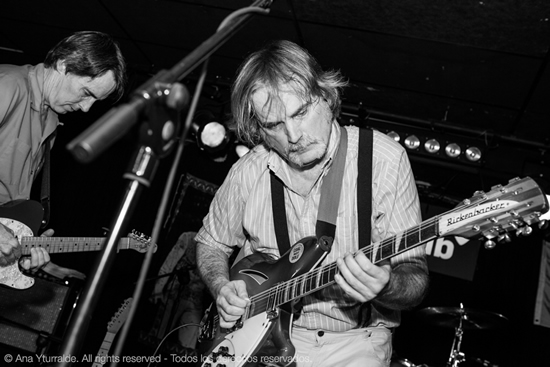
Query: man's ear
x=61, y=66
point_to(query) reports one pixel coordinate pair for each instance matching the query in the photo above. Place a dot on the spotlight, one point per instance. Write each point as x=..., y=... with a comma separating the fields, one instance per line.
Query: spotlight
x=453, y=150
x=395, y=136
x=432, y=146
x=211, y=135
x=412, y=142
x=473, y=154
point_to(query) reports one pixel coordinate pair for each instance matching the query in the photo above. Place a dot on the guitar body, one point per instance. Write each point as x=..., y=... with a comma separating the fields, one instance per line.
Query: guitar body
x=23, y=217
x=266, y=332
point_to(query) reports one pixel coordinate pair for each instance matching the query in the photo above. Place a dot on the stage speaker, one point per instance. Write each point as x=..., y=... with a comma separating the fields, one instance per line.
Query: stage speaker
x=34, y=319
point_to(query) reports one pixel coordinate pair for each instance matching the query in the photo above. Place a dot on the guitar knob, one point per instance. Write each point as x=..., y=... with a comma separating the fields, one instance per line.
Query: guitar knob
x=504, y=237
x=527, y=231
x=490, y=244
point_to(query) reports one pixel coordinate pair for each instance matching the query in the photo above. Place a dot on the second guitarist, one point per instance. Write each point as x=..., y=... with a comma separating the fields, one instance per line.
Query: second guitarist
x=286, y=106
x=80, y=69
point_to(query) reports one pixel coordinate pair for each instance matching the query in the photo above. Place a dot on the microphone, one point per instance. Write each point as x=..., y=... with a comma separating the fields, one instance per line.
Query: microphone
x=105, y=131
x=115, y=123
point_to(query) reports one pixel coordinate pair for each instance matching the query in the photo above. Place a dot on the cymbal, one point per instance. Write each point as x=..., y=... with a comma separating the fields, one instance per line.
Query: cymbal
x=472, y=319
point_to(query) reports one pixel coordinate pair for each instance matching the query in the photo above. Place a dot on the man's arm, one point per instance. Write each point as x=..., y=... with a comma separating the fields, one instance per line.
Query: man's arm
x=231, y=296
x=399, y=288
x=406, y=288
x=213, y=267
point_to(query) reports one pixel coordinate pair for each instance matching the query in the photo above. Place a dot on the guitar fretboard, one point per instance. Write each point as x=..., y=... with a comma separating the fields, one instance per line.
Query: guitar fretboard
x=102, y=354
x=322, y=277
x=68, y=244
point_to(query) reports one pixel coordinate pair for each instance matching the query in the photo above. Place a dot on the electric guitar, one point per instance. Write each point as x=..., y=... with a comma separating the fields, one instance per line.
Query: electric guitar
x=23, y=218
x=273, y=285
x=112, y=329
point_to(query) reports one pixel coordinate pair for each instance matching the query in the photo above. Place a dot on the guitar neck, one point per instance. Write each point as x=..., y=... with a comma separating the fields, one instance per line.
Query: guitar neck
x=68, y=244
x=324, y=276
x=103, y=352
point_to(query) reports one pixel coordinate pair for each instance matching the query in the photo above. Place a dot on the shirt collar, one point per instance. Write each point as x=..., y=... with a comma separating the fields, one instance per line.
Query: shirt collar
x=36, y=78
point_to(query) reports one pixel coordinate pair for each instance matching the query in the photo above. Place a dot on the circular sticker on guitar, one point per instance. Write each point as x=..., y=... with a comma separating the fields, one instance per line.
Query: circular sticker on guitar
x=296, y=252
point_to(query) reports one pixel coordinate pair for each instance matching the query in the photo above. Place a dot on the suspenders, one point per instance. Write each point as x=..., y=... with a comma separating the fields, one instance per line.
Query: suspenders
x=326, y=222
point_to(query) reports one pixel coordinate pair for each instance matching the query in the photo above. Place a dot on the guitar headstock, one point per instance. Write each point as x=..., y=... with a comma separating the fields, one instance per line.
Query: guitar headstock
x=511, y=208
x=120, y=316
x=140, y=242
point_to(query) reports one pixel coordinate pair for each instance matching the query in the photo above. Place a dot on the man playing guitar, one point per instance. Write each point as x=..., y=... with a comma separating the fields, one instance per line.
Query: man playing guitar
x=286, y=106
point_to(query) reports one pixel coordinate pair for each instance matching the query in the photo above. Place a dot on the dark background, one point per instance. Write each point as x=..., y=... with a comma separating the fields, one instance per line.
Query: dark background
x=471, y=72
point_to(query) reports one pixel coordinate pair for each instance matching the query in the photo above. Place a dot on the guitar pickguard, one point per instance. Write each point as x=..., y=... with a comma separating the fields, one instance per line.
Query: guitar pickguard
x=236, y=349
x=11, y=275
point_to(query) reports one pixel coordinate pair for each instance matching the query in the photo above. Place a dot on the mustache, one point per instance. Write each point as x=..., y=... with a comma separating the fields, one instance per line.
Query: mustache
x=302, y=144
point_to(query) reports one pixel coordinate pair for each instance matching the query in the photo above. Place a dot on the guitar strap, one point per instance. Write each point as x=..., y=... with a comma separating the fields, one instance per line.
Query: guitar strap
x=364, y=204
x=364, y=187
x=45, y=188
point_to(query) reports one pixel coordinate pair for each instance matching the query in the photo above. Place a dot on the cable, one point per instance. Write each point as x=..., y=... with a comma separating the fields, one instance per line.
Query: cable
x=166, y=336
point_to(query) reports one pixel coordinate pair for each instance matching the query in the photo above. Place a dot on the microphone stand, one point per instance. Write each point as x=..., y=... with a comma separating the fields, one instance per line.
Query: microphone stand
x=161, y=99
x=156, y=140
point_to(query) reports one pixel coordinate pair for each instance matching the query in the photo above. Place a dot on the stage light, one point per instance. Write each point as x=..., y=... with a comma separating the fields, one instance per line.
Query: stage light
x=395, y=136
x=453, y=150
x=412, y=142
x=211, y=135
x=473, y=154
x=432, y=146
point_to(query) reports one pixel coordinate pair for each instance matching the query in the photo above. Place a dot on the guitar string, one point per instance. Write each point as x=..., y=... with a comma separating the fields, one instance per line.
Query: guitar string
x=69, y=244
x=278, y=292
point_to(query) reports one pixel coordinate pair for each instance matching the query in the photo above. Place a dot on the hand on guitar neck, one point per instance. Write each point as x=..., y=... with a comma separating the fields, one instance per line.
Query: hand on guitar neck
x=19, y=221
x=10, y=251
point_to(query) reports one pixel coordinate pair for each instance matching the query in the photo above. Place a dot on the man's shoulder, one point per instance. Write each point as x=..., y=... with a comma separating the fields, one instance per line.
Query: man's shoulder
x=257, y=156
x=14, y=77
x=384, y=143
x=15, y=72
x=381, y=142
x=252, y=165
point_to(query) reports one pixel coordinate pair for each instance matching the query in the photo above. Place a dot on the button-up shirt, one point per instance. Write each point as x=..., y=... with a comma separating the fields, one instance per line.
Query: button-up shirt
x=25, y=122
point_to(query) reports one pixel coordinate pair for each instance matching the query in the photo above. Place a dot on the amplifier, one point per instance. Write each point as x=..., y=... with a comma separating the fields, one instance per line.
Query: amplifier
x=35, y=319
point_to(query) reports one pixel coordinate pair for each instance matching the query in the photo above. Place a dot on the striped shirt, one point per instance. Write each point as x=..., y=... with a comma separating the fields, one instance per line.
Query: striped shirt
x=241, y=215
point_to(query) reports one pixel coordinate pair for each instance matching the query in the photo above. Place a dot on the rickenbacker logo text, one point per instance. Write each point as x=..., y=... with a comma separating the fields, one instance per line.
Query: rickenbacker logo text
x=479, y=210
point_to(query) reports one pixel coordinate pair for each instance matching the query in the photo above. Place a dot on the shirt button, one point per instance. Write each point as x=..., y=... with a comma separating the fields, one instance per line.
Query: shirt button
x=321, y=333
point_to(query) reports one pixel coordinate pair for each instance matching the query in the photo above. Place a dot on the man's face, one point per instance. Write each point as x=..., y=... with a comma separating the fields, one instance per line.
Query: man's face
x=296, y=129
x=72, y=93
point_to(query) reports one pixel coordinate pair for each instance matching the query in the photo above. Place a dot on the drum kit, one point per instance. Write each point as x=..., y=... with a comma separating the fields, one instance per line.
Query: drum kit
x=459, y=319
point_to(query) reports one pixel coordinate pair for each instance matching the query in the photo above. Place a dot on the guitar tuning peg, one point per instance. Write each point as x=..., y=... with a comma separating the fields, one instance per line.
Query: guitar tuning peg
x=489, y=244
x=504, y=237
x=527, y=230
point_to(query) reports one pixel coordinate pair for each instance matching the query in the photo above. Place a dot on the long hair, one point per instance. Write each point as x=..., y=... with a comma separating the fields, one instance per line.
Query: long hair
x=278, y=63
x=90, y=54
